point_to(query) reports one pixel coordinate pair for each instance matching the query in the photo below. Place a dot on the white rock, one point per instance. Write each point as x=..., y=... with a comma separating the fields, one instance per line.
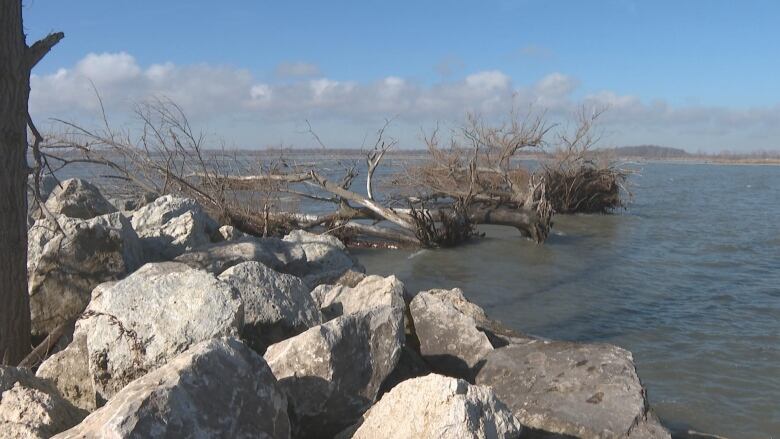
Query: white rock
x=450, y=340
x=328, y=258
x=170, y=225
x=276, y=305
x=373, y=291
x=435, y=406
x=68, y=370
x=63, y=268
x=279, y=255
x=332, y=373
x=218, y=388
x=30, y=407
x=140, y=322
x=77, y=198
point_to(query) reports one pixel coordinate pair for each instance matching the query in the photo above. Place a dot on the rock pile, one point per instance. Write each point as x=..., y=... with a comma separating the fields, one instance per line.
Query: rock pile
x=222, y=334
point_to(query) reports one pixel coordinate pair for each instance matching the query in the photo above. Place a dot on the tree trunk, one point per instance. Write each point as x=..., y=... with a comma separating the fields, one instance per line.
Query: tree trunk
x=14, y=92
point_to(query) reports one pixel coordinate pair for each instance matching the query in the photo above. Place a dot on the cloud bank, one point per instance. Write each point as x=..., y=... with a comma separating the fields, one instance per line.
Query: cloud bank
x=254, y=113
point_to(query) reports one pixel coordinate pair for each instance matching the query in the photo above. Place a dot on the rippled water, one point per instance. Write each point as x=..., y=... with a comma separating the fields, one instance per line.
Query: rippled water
x=688, y=279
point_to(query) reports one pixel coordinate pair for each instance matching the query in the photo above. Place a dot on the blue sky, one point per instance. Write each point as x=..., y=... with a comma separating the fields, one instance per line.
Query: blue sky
x=691, y=74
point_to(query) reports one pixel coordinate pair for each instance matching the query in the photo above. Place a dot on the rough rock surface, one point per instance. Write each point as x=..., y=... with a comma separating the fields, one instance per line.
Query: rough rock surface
x=372, y=291
x=271, y=252
x=138, y=323
x=332, y=373
x=276, y=305
x=227, y=233
x=218, y=388
x=327, y=257
x=170, y=225
x=350, y=278
x=64, y=268
x=450, y=341
x=76, y=198
x=30, y=407
x=436, y=406
x=580, y=390
x=68, y=370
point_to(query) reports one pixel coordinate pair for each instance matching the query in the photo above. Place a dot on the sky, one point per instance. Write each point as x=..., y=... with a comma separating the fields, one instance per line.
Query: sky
x=699, y=75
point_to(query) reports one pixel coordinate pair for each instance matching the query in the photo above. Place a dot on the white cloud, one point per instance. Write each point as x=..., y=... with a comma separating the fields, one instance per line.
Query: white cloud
x=263, y=112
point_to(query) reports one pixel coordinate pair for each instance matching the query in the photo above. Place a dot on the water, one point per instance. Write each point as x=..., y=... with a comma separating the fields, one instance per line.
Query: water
x=688, y=279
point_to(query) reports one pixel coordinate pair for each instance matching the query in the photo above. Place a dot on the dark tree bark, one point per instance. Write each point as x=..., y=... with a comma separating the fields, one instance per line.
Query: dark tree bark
x=16, y=62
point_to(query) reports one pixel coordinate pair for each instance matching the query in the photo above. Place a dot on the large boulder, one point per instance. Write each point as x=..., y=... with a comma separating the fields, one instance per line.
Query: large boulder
x=373, y=291
x=68, y=370
x=276, y=305
x=219, y=388
x=137, y=324
x=272, y=252
x=584, y=391
x=332, y=373
x=65, y=261
x=328, y=258
x=436, y=406
x=171, y=225
x=30, y=407
x=450, y=340
x=77, y=198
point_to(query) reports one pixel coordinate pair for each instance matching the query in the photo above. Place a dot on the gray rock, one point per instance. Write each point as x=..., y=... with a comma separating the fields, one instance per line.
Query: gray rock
x=77, y=198
x=332, y=373
x=328, y=258
x=371, y=292
x=271, y=252
x=63, y=268
x=580, y=390
x=450, y=341
x=218, y=388
x=350, y=278
x=171, y=225
x=140, y=322
x=68, y=370
x=436, y=406
x=30, y=407
x=276, y=305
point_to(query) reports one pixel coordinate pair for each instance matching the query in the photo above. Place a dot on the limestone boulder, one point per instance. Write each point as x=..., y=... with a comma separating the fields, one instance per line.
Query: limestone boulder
x=272, y=252
x=65, y=261
x=327, y=257
x=77, y=198
x=219, y=388
x=30, y=407
x=68, y=370
x=450, y=340
x=276, y=305
x=171, y=225
x=227, y=233
x=585, y=391
x=137, y=324
x=435, y=406
x=332, y=373
x=373, y=291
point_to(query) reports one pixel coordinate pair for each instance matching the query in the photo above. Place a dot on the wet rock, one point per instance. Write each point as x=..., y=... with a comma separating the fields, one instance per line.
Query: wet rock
x=30, y=407
x=63, y=268
x=436, y=406
x=171, y=225
x=332, y=373
x=276, y=305
x=328, y=258
x=77, y=198
x=271, y=252
x=371, y=292
x=218, y=388
x=138, y=323
x=450, y=341
x=68, y=370
x=580, y=390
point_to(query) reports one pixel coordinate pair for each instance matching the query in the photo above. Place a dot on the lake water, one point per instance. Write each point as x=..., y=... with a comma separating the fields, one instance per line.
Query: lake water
x=688, y=279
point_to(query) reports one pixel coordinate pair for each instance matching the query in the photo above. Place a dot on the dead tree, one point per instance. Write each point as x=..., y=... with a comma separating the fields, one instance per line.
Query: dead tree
x=16, y=62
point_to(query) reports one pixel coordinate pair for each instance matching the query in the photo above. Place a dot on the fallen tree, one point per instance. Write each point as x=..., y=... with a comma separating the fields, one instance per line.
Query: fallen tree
x=477, y=179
